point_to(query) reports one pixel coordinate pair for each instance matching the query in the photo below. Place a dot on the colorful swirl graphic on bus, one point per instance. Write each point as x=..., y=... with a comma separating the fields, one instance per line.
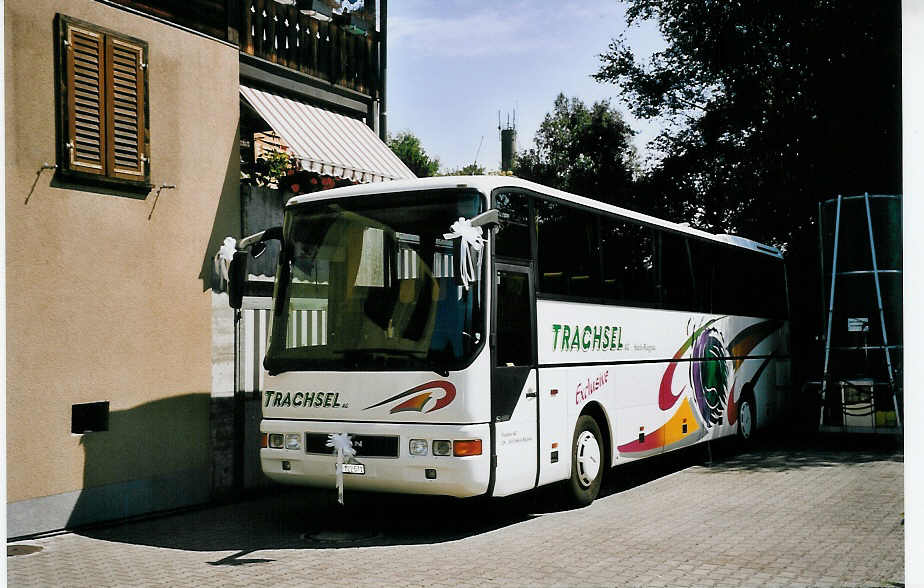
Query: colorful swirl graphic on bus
x=666, y=397
x=419, y=402
x=709, y=379
x=712, y=384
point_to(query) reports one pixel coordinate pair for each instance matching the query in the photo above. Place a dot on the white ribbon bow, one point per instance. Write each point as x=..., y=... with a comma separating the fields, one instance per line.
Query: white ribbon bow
x=223, y=259
x=470, y=240
x=343, y=447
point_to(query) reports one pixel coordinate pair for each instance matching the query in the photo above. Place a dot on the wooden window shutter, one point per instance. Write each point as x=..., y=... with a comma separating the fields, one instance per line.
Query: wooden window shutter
x=125, y=109
x=86, y=136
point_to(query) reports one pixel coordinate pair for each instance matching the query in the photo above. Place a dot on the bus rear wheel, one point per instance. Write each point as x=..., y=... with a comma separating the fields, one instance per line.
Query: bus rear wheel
x=747, y=420
x=587, y=463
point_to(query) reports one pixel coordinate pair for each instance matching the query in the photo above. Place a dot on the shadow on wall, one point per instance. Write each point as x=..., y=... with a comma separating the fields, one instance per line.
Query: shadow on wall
x=153, y=457
x=227, y=219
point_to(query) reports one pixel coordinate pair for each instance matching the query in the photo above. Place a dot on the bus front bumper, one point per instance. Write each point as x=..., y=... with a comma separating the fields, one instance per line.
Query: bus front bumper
x=411, y=474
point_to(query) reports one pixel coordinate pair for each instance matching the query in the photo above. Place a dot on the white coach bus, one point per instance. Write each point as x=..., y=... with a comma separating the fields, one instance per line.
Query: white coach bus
x=582, y=336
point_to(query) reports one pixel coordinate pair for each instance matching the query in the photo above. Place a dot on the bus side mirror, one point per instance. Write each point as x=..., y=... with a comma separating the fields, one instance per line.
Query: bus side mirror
x=259, y=247
x=237, y=278
x=489, y=219
x=237, y=270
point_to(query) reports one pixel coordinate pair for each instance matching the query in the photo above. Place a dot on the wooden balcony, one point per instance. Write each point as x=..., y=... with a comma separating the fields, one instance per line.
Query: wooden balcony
x=324, y=50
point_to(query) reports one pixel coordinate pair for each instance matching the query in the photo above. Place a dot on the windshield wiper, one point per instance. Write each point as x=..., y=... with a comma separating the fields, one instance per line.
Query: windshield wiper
x=372, y=353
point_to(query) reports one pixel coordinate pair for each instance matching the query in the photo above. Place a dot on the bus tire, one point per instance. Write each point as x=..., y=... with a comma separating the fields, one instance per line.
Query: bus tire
x=747, y=420
x=587, y=463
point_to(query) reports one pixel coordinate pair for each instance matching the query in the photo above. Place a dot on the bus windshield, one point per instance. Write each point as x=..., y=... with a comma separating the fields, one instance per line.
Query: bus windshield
x=366, y=284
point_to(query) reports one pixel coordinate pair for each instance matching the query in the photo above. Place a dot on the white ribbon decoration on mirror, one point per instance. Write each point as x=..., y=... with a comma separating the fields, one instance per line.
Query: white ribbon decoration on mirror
x=470, y=239
x=343, y=447
x=223, y=259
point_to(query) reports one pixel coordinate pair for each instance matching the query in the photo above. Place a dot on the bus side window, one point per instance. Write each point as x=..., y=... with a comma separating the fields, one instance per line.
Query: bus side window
x=568, y=250
x=705, y=258
x=628, y=262
x=675, y=278
x=749, y=284
x=512, y=237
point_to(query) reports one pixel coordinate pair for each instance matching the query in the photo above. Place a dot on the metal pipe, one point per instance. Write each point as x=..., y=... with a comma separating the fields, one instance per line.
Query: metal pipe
x=383, y=61
x=885, y=337
x=824, y=380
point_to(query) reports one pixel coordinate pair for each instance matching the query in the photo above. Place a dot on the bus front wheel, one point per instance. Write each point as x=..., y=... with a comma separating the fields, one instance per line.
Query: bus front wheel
x=587, y=463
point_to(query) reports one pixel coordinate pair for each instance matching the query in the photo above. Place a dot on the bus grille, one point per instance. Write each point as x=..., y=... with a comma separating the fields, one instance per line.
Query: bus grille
x=365, y=445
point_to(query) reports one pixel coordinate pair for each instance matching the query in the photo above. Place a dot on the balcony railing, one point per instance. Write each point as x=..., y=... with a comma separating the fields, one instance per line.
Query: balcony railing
x=281, y=34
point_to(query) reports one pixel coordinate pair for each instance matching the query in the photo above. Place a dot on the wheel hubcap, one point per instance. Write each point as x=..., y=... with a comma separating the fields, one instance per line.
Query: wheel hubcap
x=746, y=420
x=588, y=458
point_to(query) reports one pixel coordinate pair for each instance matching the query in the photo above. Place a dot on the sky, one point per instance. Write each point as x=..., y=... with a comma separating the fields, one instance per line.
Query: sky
x=453, y=64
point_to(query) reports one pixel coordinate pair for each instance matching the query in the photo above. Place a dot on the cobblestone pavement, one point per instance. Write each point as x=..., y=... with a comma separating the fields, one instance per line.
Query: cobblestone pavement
x=772, y=516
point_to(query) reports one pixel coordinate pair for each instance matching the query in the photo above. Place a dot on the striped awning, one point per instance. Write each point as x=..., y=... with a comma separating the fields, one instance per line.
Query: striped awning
x=326, y=142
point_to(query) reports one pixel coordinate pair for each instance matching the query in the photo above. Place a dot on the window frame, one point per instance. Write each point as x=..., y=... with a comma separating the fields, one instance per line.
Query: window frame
x=111, y=173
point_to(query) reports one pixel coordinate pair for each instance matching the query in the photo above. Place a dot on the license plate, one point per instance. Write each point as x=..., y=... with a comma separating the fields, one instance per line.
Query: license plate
x=354, y=468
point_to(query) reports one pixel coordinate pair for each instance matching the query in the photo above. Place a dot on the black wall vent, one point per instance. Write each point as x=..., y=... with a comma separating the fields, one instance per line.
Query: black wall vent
x=90, y=417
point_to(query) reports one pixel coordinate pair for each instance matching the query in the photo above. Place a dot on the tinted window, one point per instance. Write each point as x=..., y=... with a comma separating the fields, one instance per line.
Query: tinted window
x=569, y=254
x=749, y=283
x=628, y=262
x=512, y=237
x=513, y=319
x=705, y=256
x=675, y=279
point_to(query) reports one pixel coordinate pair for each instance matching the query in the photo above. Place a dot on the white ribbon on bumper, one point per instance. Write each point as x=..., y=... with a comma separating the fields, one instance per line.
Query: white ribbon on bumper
x=343, y=447
x=470, y=240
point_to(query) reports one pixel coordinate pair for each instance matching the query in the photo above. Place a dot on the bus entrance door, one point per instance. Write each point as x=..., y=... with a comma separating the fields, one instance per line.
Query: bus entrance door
x=514, y=390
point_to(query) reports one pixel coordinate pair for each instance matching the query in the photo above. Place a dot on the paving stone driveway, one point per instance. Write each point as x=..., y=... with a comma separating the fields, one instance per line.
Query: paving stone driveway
x=776, y=515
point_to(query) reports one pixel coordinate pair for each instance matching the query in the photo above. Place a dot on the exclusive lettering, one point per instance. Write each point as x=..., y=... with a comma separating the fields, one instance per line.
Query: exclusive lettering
x=591, y=386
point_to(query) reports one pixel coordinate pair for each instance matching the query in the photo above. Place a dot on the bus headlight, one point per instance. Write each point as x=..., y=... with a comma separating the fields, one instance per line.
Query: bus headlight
x=276, y=440
x=418, y=447
x=442, y=447
x=293, y=441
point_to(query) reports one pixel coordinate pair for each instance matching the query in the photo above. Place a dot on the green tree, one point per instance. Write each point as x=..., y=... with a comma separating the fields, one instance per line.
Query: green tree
x=472, y=169
x=583, y=150
x=409, y=150
x=770, y=106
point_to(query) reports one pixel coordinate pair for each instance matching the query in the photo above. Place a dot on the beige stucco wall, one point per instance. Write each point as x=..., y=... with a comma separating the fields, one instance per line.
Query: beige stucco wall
x=103, y=303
